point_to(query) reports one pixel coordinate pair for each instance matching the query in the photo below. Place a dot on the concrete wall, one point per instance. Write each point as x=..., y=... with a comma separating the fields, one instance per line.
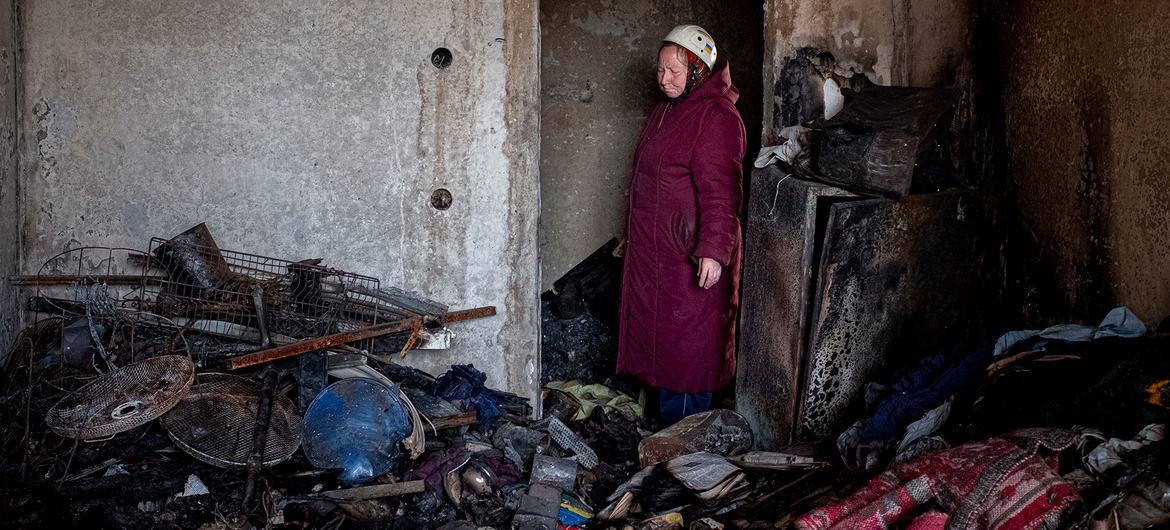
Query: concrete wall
x=598, y=85
x=900, y=42
x=1088, y=122
x=299, y=129
x=9, y=217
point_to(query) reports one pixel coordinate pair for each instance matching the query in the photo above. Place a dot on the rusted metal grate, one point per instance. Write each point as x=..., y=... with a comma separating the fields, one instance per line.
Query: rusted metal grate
x=265, y=301
x=123, y=399
x=216, y=421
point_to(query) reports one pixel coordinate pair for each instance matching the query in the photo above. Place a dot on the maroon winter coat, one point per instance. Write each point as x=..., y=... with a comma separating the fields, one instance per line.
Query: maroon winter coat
x=685, y=199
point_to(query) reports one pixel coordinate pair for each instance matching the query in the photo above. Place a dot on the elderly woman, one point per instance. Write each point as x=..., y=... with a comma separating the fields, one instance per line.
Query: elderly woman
x=681, y=272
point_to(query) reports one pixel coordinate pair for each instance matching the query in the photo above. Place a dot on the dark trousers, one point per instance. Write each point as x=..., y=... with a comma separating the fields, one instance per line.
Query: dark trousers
x=674, y=406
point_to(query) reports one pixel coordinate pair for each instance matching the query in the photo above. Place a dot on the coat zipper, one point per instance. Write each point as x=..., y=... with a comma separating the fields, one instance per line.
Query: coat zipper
x=662, y=118
x=638, y=162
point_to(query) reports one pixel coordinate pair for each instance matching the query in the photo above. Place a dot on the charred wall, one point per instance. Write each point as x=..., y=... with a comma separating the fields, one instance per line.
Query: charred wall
x=298, y=129
x=820, y=271
x=1087, y=121
x=903, y=42
x=598, y=86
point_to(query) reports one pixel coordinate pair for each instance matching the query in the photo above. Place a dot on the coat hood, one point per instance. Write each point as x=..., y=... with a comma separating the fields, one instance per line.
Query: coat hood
x=717, y=86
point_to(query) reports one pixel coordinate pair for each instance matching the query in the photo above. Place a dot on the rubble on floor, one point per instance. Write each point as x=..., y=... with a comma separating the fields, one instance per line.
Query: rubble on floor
x=579, y=319
x=190, y=386
x=1055, y=428
x=1060, y=427
x=221, y=390
x=581, y=347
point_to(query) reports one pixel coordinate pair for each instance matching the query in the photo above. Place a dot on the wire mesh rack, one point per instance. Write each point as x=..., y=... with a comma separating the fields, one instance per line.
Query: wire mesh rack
x=186, y=295
x=247, y=301
x=109, y=277
x=96, y=292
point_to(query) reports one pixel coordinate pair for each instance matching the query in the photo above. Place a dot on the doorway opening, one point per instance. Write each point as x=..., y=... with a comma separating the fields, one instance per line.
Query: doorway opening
x=597, y=88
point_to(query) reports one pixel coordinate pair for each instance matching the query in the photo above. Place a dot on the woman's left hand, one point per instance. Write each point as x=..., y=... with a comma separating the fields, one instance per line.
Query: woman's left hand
x=709, y=272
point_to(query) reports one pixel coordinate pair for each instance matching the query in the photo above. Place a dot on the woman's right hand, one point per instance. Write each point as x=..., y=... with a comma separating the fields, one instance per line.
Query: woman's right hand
x=709, y=272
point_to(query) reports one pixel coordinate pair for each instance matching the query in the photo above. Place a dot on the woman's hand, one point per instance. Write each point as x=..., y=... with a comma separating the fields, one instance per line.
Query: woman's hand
x=709, y=272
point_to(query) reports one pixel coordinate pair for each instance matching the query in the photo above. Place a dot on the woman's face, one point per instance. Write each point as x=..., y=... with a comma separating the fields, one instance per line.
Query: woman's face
x=672, y=72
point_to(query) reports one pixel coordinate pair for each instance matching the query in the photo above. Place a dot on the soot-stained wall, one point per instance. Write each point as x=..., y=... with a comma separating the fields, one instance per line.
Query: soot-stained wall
x=298, y=129
x=598, y=86
x=902, y=42
x=1087, y=127
x=782, y=342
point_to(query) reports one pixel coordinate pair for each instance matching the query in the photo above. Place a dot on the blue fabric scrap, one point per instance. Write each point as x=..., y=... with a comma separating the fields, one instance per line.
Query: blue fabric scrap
x=463, y=386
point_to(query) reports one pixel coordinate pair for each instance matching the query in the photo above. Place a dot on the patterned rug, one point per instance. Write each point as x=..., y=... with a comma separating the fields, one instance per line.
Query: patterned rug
x=1006, y=482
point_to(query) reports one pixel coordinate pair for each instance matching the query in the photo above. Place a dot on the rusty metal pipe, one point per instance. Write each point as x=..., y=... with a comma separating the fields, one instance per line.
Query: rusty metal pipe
x=469, y=314
x=337, y=339
x=108, y=279
x=319, y=343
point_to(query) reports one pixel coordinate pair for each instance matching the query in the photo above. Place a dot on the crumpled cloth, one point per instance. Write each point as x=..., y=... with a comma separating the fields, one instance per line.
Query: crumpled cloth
x=1108, y=455
x=998, y=483
x=504, y=470
x=463, y=386
x=1145, y=505
x=920, y=447
x=793, y=150
x=1119, y=322
x=597, y=395
x=929, y=424
x=929, y=521
x=913, y=406
x=439, y=463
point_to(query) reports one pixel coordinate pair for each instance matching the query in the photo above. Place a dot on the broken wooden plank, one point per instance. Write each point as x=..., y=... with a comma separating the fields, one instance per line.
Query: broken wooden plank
x=775, y=461
x=455, y=420
x=365, y=493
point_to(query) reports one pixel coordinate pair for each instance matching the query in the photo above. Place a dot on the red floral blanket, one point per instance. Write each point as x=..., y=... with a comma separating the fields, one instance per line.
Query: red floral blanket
x=998, y=483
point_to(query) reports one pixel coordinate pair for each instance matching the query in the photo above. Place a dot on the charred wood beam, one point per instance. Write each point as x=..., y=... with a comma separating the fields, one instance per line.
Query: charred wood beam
x=450, y=422
x=259, y=435
x=363, y=493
